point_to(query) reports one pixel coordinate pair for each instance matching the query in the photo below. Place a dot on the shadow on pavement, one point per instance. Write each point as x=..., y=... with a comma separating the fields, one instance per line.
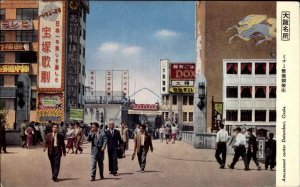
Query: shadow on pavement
x=9, y=153
x=152, y=171
x=125, y=173
x=189, y=160
x=68, y=179
x=108, y=179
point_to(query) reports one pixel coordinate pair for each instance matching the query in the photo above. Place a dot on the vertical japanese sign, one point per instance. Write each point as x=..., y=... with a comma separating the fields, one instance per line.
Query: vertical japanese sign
x=92, y=83
x=73, y=58
x=108, y=83
x=285, y=25
x=125, y=82
x=217, y=115
x=50, y=45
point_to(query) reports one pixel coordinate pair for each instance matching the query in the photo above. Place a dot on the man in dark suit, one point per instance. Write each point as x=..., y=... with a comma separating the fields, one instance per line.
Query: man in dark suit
x=142, y=142
x=2, y=137
x=56, y=147
x=98, y=145
x=114, y=141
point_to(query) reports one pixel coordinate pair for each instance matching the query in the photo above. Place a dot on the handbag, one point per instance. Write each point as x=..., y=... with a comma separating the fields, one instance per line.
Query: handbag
x=120, y=152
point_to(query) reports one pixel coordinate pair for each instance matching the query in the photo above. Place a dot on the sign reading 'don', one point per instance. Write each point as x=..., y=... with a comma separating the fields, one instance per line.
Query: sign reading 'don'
x=144, y=106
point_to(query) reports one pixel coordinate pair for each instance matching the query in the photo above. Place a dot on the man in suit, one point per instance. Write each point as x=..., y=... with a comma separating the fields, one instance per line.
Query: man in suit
x=142, y=142
x=2, y=137
x=56, y=147
x=98, y=145
x=114, y=141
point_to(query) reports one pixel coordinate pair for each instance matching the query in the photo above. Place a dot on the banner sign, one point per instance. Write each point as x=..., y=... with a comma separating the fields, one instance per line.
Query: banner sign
x=50, y=45
x=217, y=115
x=182, y=83
x=182, y=90
x=144, y=107
x=125, y=82
x=261, y=142
x=92, y=83
x=14, y=46
x=182, y=71
x=14, y=25
x=50, y=101
x=108, y=83
x=14, y=68
x=76, y=114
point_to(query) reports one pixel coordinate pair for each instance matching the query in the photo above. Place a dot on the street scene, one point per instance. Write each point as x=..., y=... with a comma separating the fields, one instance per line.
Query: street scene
x=138, y=93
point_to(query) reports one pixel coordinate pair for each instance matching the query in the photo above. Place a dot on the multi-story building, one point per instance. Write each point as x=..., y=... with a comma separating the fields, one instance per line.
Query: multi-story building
x=24, y=57
x=177, y=90
x=236, y=52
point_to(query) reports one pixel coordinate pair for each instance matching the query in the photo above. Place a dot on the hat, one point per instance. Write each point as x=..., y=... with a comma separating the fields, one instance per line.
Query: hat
x=250, y=129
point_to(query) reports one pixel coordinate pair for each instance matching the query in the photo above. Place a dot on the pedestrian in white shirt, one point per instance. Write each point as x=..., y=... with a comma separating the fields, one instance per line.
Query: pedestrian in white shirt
x=221, y=140
x=240, y=149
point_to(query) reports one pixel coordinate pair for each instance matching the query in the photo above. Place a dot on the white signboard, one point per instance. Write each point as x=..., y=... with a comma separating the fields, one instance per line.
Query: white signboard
x=92, y=83
x=125, y=82
x=50, y=44
x=108, y=83
x=182, y=83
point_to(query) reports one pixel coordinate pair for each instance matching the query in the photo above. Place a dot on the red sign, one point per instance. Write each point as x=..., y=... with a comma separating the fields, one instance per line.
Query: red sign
x=13, y=25
x=182, y=72
x=144, y=106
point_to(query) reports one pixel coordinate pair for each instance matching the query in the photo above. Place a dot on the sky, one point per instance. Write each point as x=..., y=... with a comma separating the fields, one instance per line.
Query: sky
x=134, y=36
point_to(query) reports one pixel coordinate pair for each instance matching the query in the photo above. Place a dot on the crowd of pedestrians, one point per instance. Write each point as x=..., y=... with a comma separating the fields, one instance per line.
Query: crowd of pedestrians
x=241, y=149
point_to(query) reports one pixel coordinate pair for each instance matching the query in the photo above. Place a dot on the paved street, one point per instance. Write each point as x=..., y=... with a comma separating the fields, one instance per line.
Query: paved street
x=169, y=165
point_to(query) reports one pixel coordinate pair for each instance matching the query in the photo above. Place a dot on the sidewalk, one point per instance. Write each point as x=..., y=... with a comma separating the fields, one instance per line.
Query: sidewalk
x=169, y=165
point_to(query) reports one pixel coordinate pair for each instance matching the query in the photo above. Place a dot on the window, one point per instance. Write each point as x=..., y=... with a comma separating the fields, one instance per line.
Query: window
x=272, y=92
x=231, y=115
x=231, y=68
x=164, y=89
x=260, y=92
x=232, y=91
x=79, y=87
x=191, y=116
x=2, y=36
x=174, y=99
x=184, y=116
x=167, y=116
x=260, y=68
x=191, y=100
x=27, y=13
x=164, y=76
x=1, y=80
x=246, y=68
x=30, y=36
x=83, y=70
x=164, y=83
x=26, y=57
x=246, y=115
x=83, y=90
x=184, y=100
x=260, y=115
x=83, y=52
x=84, y=34
x=272, y=115
x=33, y=100
x=246, y=92
x=2, y=14
x=2, y=57
x=272, y=68
x=79, y=46
x=167, y=100
x=33, y=79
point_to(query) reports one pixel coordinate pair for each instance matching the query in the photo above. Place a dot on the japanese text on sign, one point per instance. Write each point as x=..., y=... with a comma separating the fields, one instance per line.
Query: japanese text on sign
x=285, y=25
x=16, y=25
x=283, y=75
x=14, y=68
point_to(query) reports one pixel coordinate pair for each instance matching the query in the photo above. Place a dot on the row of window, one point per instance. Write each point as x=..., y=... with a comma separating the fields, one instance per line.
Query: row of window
x=246, y=115
x=186, y=116
x=29, y=13
x=246, y=68
x=247, y=92
x=186, y=100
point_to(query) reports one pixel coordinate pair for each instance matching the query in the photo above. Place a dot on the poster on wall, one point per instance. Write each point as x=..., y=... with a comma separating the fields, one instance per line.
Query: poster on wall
x=217, y=115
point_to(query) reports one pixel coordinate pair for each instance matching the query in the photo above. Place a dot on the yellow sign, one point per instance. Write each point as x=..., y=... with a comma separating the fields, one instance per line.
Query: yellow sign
x=182, y=90
x=14, y=68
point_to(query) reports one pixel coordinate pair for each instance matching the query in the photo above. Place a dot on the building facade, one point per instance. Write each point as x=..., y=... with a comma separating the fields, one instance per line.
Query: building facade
x=177, y=90
x=33, y=59
x=236, y=52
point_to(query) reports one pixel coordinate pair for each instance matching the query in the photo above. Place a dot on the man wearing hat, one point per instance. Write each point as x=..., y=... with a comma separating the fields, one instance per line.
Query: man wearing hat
x=252, y=149
x=240, y=149
x=221, y=140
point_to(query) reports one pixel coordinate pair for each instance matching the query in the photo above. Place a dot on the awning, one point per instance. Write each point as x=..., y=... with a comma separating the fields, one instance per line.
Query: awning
x=145, y=112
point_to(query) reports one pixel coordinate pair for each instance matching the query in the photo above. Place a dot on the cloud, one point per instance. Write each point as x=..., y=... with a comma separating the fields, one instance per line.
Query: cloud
x=166, y=34
x=114, y=48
